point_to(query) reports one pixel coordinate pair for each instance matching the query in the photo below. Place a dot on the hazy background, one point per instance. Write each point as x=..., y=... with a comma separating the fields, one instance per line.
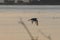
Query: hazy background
x=11, y=29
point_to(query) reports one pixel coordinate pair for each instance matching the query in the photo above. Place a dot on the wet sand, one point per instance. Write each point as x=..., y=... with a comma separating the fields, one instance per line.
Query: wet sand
x=11, y=29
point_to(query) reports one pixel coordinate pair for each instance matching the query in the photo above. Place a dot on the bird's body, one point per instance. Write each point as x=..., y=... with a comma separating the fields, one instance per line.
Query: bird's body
x=34, y=20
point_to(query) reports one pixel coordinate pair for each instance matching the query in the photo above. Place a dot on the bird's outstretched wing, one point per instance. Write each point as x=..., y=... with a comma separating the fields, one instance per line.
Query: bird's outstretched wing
x=34, y=20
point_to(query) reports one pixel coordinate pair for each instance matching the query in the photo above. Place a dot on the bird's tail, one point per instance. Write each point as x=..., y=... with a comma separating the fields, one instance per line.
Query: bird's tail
x=29, y=20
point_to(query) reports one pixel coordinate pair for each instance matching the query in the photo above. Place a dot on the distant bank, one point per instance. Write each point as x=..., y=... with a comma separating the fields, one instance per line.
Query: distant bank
x=29, y=2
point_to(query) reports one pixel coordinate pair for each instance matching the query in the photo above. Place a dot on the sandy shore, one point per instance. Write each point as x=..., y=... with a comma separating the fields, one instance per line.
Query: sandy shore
x=10, y=29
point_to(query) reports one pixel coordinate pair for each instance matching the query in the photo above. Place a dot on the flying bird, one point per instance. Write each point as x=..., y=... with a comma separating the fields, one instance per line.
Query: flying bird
x=34, y=20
